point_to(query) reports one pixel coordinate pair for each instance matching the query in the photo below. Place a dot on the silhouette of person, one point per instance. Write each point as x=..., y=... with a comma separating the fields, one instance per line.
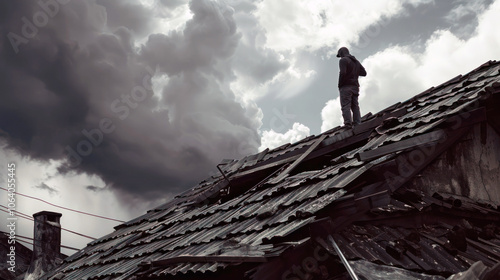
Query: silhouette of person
x=350, y=70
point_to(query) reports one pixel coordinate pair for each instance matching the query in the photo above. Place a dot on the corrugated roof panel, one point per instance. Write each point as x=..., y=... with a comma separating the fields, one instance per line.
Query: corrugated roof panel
x=173, y=270
x=258, y=225
x=82, y=262
x=235, y=202
x=461, y=107
x=172, y=217
x=307, y=192
x=248, y=210
x=344, y=178
x=314, y=205
x=210, y=221
x=242, y=227
x=292, y=199
x=229, y=216
x=212, y=233
x=203, y=222
x=281, y=230
x=111, y=269
x=201, y=236
x=189, y=214
x=228, y=229
x=256, y=196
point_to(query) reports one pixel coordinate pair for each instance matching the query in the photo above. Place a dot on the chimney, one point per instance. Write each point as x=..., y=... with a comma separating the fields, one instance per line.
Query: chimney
x=46, y=244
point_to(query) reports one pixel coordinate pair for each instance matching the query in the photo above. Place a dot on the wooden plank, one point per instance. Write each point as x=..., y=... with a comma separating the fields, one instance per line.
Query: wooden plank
x=289, y=169
x=327, y=146
x=266, y=166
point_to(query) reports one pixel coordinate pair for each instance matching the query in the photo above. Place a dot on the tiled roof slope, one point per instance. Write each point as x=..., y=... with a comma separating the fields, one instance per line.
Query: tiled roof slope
x=265, y=202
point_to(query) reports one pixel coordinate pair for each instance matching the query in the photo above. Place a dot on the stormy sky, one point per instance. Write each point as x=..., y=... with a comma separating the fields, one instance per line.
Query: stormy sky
x=114, y=106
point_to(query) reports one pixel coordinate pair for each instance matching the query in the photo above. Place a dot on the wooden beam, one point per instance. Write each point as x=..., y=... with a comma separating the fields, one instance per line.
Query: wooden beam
x=328, y=145
x=292, y=166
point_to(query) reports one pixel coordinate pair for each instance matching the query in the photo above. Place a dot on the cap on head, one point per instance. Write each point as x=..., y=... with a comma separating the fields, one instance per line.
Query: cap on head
x=342, y=52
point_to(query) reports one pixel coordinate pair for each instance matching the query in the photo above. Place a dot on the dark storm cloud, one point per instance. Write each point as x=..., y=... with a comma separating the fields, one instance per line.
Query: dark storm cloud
x=78, y=90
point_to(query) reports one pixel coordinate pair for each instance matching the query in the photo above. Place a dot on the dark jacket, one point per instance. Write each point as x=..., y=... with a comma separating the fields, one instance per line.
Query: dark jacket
x=350, y=70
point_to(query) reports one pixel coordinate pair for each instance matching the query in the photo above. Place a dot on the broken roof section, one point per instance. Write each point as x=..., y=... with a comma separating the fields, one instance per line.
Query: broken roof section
x=264, y=215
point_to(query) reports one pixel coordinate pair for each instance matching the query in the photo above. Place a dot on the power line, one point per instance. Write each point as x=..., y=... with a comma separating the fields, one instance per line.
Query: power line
x=8, y=212
x=62, y=246
x=18, y=213
x=65, y=208
x=74, y=232
x=31, y=219
x=29, y=238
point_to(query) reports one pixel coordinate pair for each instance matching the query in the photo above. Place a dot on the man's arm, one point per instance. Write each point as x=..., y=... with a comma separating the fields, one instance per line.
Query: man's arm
x=362, y=71
x=343, y=71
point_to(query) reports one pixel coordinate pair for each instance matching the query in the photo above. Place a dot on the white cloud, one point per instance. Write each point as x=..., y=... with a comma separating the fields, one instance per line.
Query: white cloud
x=392, y=77
x=331, y=115
x=293, y=25
x=396, y=74
x=272, y=139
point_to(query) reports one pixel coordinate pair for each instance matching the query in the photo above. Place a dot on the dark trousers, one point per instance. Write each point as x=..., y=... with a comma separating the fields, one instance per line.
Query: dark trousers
x=349, y=101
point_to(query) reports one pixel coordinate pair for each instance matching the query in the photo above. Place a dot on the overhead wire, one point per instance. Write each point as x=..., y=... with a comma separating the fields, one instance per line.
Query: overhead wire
x=8, y=211
x=22, y=215
x=29, y=238
x=65, y=208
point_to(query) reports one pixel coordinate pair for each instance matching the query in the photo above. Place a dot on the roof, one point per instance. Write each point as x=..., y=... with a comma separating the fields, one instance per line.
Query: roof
x=264, y=205
x=22, y=257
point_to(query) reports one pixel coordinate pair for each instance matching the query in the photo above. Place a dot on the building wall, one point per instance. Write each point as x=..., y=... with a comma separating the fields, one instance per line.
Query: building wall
x=471, y=167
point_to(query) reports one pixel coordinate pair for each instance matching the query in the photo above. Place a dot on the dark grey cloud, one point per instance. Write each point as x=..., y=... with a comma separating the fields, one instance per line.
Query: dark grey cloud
x=80, y=91
x=47, y=188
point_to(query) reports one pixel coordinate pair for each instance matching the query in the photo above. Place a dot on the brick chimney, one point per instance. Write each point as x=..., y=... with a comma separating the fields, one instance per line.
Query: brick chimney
x=46, y=245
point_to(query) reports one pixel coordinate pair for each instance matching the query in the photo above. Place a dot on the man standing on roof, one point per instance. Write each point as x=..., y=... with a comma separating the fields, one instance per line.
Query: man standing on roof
x=350, y=70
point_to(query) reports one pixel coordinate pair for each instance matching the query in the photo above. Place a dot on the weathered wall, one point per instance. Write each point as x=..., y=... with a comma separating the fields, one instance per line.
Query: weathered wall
x=471, y=167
